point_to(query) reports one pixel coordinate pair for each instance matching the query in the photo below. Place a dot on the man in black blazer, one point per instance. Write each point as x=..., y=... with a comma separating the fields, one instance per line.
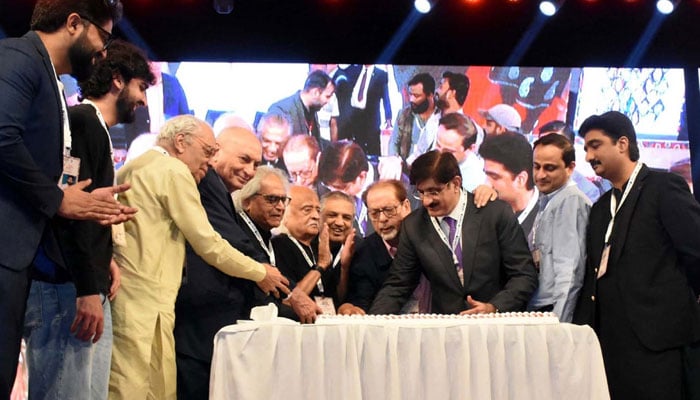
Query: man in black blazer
x=636, y=293
x=209, y=299
x=65, y=38
x=363, y=122
x=484, y=267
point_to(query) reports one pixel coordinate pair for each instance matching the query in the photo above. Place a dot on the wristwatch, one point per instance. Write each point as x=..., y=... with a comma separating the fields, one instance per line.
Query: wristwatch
x=315, y=267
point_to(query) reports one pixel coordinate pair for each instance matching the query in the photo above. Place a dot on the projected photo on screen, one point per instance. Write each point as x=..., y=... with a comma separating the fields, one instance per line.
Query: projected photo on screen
x=388, y=114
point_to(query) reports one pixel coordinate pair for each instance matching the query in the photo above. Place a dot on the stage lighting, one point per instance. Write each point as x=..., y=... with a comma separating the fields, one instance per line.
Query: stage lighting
x=548, y=8
x=423, y=6
x=223, y=6
x=665, y=6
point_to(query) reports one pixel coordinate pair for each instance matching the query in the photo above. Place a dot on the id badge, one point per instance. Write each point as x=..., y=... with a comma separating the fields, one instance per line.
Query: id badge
x=325, y=304
x=537, y=258
x=603, y=267
x=119, y=235
x=71, y=169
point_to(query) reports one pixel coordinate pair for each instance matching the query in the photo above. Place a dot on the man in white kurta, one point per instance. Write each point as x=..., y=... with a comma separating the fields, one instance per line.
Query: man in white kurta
x=164, y=189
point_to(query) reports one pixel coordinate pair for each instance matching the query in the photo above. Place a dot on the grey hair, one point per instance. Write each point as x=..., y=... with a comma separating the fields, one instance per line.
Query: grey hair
x=253, y=186
x=185, y=124
x=337, y=195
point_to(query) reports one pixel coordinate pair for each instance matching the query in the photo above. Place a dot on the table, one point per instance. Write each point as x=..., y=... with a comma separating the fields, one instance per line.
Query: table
x=329, y=362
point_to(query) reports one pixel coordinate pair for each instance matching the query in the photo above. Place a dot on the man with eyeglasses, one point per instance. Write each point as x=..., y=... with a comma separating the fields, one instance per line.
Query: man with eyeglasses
x=65, y=38
x=79, y=310
x=165, y=179
x=307, y=255
x=300, y=157
x=476, y=260
x=388, y=205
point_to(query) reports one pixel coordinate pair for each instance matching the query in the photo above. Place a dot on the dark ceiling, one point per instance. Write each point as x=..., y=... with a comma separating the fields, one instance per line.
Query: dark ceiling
x=456, y=32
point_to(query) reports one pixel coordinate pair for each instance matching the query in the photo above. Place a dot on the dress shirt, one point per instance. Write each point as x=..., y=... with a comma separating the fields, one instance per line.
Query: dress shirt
x=560, y=235
x=472, y=169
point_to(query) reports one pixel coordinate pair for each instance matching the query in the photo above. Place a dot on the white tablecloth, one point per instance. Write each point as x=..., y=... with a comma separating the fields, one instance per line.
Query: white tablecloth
x=481, y=362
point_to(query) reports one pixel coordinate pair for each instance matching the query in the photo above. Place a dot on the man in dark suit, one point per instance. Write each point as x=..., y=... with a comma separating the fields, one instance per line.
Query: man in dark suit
x=387, y=205
x=301, y=107
x=65, y=38
x=364, y=120
x=209, y=299
x=476, y=260
x=642, y=246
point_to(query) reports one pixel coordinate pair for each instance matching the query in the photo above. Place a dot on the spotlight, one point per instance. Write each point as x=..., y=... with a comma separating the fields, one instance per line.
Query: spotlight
x=548, y=8
x=665, y=6
x=223, y=6
x=423, y=6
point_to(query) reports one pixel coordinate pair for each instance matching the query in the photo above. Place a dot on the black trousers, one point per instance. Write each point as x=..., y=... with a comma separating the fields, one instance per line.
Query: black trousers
x=14, y=289
x=192, y=378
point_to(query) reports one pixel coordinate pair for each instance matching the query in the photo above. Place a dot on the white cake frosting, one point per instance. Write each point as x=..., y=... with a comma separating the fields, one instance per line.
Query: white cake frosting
x=501, y=318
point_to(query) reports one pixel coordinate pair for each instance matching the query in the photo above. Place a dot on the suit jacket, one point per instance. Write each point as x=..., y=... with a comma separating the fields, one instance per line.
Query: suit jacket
x=654, y=247
x=293, y=108
x=497, y=264
x=174, y=98
x=369, y=268
x=209, y=299
x=31, y=148
x=363, y=126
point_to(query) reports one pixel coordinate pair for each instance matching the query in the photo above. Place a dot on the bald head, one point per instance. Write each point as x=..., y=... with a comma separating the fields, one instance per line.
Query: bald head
x=239, y=155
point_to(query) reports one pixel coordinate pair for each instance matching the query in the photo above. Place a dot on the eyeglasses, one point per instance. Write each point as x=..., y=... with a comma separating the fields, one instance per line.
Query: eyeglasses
x=209, y=151
x=306, y=174
x=388, y=212
x=273, y=200
x=420, y=194
x=107, y=37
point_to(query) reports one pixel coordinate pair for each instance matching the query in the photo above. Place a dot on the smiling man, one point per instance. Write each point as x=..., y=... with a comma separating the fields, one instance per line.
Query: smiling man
x=476, y=260
x=558, y=239
x=642, y=250
x=165, y=179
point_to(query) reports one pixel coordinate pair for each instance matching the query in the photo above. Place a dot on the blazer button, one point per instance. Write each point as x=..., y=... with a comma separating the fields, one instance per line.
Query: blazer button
x=592, y=298
x=595, y=270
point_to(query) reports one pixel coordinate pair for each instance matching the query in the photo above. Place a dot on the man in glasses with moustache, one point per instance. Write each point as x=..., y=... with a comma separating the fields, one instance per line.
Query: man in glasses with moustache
x=476, y=259
x=66, y=37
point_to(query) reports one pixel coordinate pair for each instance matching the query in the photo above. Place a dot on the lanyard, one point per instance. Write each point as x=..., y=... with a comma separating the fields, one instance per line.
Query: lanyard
x=267, y=248
x=104, y=125
x=614, y=208
x=458, y=234
x=530, y=205
x=309, y=261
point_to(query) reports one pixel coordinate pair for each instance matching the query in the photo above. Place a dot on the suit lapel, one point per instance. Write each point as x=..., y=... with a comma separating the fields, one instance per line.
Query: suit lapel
x=470, y=226
x=624, y=217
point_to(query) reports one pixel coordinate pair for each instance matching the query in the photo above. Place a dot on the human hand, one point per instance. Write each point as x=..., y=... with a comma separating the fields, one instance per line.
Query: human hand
x=115, y=275
x=350, y=309
x=110, y=192
x=483, y=194
x=348, y=249
x=477, y=307
x=89, y=318
x=324, y=247
x=273, y=282
x=99, y=205
x=303, y=306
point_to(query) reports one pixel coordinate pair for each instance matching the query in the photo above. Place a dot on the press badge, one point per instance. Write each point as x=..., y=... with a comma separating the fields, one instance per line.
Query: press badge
x=71, y=169
x=325, y=304
x=603, y=266
x=119, y=235
x=537, y=258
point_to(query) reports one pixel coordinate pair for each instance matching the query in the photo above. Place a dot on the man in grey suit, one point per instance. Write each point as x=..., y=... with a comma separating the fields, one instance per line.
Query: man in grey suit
x=301, y=107
x=476, y=260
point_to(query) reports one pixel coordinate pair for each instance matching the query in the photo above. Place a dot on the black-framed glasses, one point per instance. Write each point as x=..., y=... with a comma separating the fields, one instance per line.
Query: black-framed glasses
x=420, y=194
x=107, y=37
x=273, y=200
x=209, y=151
x=388, y=212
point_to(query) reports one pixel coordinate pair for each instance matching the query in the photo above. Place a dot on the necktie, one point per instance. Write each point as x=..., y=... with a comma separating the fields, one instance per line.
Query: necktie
x=452, y=224
x=363, y=81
